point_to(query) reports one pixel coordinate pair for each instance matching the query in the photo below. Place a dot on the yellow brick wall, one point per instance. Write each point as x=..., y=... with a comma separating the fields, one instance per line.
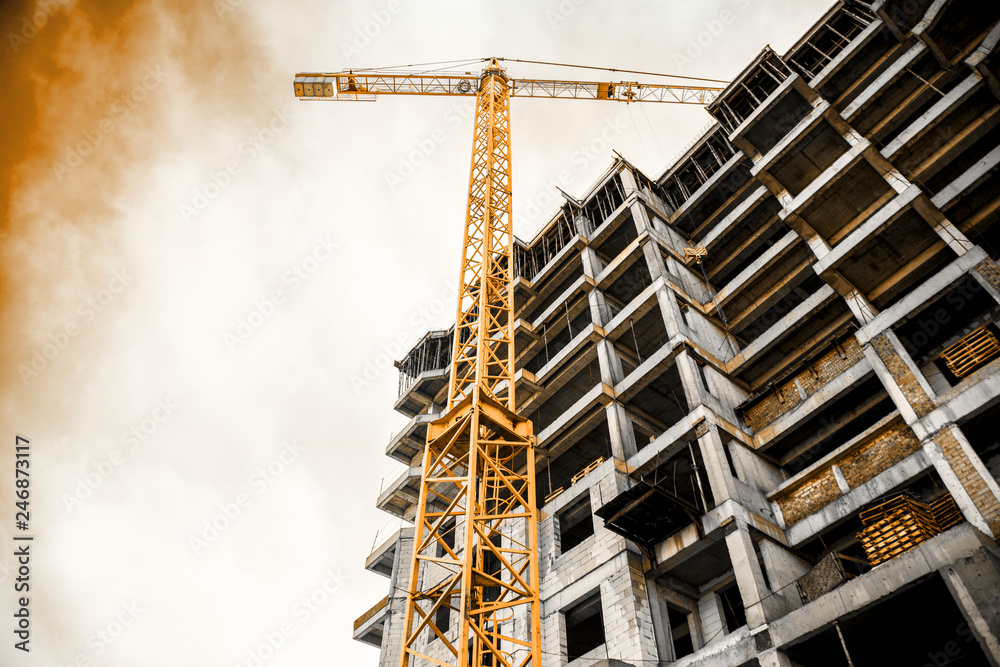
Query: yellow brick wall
x=815, y=494
x=887, y=449
x=971, y=480
x=988, y=270
x=786, y=395
x=901, y=373
x=868, y=460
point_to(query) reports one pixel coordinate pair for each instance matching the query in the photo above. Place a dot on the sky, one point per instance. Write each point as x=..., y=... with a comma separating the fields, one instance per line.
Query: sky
x=204, y=283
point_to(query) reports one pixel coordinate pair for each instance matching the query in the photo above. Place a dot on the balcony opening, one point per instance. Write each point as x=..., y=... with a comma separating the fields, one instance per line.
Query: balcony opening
x=809, y=285
x=842, y=539
x=732, y=607
x=530, y=260
x=584, y=626
x=785, y=115
x=981, y=432
x=833, y=426
x=617, y=241
x=762, y=79
x=814, y=152
x=576, y=523
x=556, y=293
x=433, y=352
x=660, y=404
x=572, y=390
x=572, y=463
x=757, y=247
x=900, y=616
x=680, y=631
x=604, y=202
x=560, y=329
x=820, y=47
x=938, y=337
x=641, y=339
x=629, y=284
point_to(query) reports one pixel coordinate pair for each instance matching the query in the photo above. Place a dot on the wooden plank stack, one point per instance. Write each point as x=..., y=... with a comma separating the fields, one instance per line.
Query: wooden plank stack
x=901, y=523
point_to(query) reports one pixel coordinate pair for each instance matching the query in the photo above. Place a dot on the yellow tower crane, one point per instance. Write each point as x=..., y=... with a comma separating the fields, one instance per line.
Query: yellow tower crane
x=478, y=480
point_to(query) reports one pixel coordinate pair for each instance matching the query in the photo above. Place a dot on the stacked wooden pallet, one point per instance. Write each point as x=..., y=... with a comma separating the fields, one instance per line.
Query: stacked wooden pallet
x=971, y=352
x=901, y=523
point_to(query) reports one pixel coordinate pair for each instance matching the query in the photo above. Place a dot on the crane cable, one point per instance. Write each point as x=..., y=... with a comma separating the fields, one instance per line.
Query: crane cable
x=612, y=69
x=535, y=62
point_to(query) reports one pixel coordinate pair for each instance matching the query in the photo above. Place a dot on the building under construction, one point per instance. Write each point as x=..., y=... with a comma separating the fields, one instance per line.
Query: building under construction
x=765, y=385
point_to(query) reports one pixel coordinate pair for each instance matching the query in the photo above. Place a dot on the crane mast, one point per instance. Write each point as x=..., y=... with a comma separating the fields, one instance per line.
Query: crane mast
x=475, y=540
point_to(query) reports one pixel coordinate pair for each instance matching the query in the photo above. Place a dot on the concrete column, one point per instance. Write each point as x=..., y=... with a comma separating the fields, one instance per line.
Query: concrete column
x=713, y=620
x=611, y=366
x=757, y=599
x=600, y=311
x=642, y=221
x=694, y=388
x=944, y=228
x=622, y=436
x=619, y=426
x=654, y=260
x=783, y=569
x=591, y=264
x=713, y=455
x=860, y=306
x=658, y=614
x=904, y=382
x=629, y=185
x=974, y=582
x=670, y=310
x=816, y=243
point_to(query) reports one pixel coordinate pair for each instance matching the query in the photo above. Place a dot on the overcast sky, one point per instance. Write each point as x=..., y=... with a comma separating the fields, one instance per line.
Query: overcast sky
x=204, y=283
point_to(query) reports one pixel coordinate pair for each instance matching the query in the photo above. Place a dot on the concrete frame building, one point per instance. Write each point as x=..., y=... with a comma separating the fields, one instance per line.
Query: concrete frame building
x=765, y=385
